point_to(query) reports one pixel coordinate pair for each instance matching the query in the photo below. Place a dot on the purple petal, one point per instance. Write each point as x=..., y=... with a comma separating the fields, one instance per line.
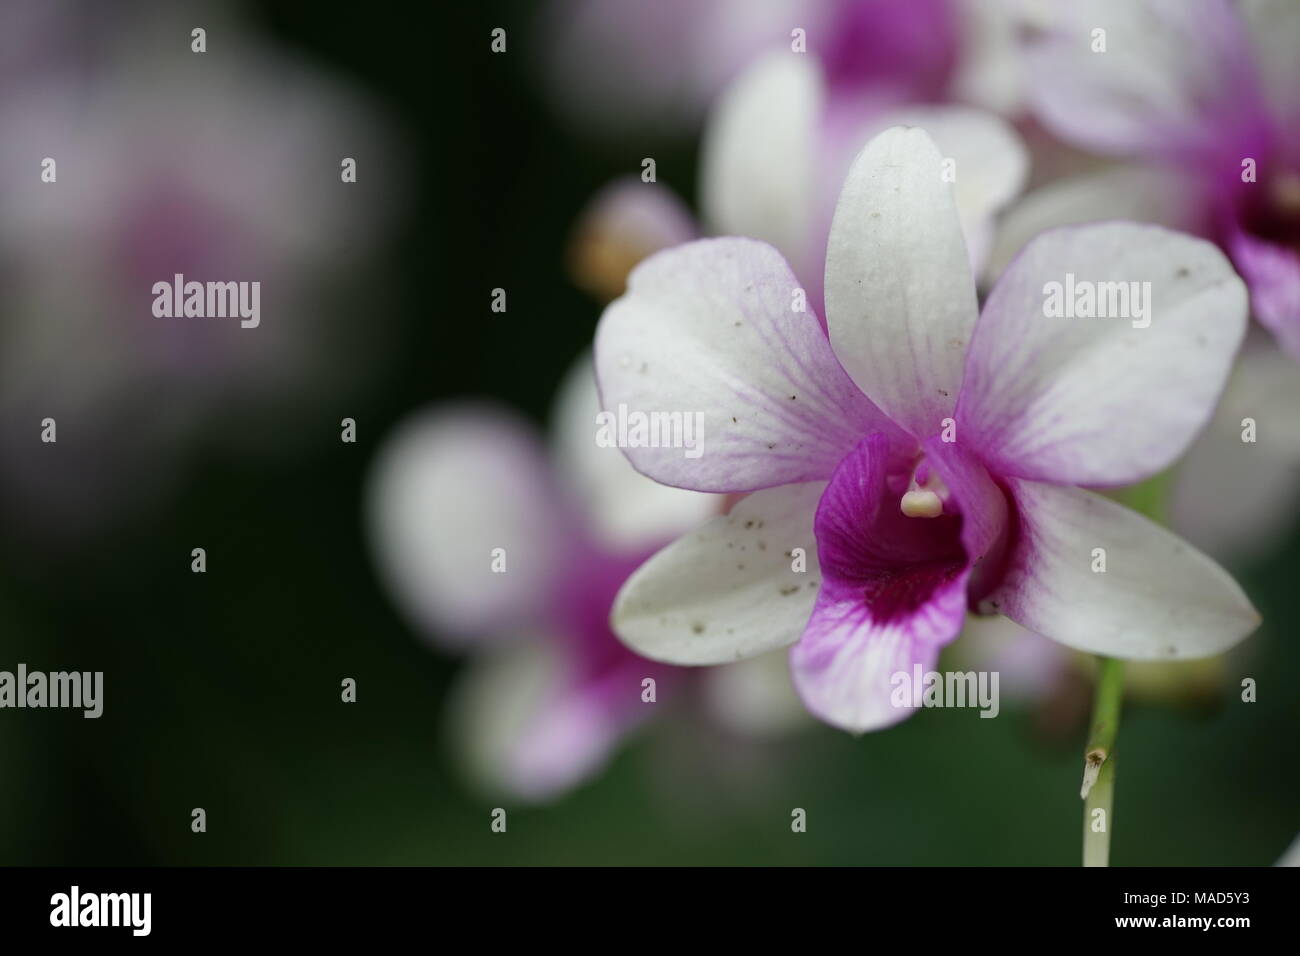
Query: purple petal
x=983, y=509
x=893, y=591
x=1272, y=272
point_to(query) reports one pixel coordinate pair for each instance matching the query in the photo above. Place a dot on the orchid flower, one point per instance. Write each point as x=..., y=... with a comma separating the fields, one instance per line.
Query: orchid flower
x=931, y=461
x=1188, y=97
x=782, y=138
x=1202, y=100
x=777, y=146
x=629, y=66
x=551, y=691
x=620, y=225
x=222, y=167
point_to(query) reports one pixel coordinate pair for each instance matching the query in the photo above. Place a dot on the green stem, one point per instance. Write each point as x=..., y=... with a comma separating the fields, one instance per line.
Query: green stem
x=1098, y=790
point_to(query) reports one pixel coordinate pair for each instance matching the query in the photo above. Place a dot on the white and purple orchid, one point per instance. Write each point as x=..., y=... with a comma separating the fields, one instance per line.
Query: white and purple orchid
x=777, y=146
x=929, y=453
x=1202, y=100
x=782, y=137
x=494, y=545
x=167, y=163
x=629, y=65
x=1197, y=104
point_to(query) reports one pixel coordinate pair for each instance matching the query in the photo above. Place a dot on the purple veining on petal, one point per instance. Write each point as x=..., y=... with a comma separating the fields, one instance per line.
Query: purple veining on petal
x=709, y=325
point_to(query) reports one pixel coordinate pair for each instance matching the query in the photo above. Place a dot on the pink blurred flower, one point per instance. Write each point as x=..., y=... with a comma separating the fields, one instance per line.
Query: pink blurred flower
x=1190, y=93
x=624, y=66
x=221, y=166
x=550, y=691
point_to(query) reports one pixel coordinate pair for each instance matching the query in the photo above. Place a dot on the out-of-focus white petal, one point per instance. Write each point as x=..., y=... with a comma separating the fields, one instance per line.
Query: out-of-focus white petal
x=448, y=488
x=990, y=73
x=628, y=66
x=1274, y=26
x=1161, y=196
x=1232, y=498
x=756, y=697
x=626, y=510
x=522, y=730
x=1029, y=665
x=1292, y=855
x=759, y=152
x=1173, y=76
x=621, y=225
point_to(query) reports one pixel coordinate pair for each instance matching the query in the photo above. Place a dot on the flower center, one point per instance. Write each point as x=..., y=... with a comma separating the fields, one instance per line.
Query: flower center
x=1272, y=209
x=926, y=493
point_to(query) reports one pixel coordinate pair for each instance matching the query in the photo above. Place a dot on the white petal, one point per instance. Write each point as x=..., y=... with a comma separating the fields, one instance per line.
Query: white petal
x=1158, y=598
x=758, y=153
x=1173, y=75
x=1101, y=400
x=517, y=728
x=717, y=333
x=1237, y=499
x=1031, y=666
x=756, y=697
x=1274, y=26
x=727, y=591
x=900, y=299
x=990, y=73
x=628, y=67
x=1292, y=855
x=1140, y=193
x=626, y=510
x=990, y=165
x=447, y=488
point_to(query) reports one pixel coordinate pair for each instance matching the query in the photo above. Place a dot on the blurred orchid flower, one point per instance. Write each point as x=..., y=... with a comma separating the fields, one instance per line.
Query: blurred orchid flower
x=1202, y=97
x=1188, y=96
x=224, y=166
x=551, y=691
x=780, y=142
x=931, y=458
x=623, y=223
x=629, y=66
x=777, y=147
x=1058, y=682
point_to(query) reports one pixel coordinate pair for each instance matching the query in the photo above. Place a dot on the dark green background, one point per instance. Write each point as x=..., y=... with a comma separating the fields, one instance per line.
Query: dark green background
x=223, y=689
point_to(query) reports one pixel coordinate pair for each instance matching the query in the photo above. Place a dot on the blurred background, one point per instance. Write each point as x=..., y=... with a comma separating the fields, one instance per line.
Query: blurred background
x=222, y=690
